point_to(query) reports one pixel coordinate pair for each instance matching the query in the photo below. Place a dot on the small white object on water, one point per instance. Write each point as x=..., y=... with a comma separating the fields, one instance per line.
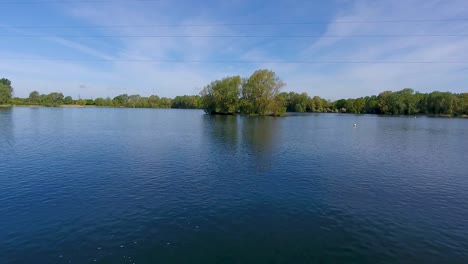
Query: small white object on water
x=121, y=246
x=168, y=243
x=354, y=125
x=99, y=248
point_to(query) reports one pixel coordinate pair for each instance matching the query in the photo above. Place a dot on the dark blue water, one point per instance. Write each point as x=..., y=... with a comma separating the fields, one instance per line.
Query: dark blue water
x=178, y=186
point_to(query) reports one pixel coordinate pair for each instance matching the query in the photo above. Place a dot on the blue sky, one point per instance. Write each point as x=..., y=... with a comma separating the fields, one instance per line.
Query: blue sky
x=333, y=81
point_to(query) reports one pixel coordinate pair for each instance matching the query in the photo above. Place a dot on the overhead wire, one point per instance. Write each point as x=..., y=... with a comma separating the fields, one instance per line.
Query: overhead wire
x=233, y=36
x=234, y=61
x=272, y=23
x=221, y=36
x=73, y=2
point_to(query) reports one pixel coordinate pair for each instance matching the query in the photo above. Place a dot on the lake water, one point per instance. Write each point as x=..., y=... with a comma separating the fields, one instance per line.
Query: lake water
x=177, y=186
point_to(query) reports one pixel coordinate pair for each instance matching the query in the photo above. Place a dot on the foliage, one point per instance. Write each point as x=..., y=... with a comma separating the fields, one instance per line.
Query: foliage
x=257, y=95
x=222, y=96
x=6, y=91
x=187, y=102
x=6, y=82
x=260, y=95
x=34, y=97
x=68, y=100
x=103, y=102
x=407, y=102
x=5, y=94
x=133, y=101
x=54, y=99
x=260, y=92
x=296, y=102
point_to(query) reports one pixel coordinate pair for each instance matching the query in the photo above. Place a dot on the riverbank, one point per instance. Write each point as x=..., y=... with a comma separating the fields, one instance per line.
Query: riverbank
x=63, y=106
x=74, y=106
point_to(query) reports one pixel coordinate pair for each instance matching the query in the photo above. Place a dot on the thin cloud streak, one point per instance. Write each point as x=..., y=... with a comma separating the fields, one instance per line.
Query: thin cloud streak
x=117, y=73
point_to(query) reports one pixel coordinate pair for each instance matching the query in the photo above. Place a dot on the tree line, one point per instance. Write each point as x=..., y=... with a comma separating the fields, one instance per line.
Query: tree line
x=403, y=102
x=260, y=94
x=129, y=101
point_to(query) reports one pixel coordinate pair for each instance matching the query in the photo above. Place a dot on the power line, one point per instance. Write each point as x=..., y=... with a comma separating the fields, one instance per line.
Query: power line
x=238, y=61
x=235, y=36
x=249, y=24
x=73, y=2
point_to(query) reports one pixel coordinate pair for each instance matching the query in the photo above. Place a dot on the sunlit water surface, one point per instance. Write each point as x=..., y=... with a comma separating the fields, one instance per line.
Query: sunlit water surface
x=177, y=186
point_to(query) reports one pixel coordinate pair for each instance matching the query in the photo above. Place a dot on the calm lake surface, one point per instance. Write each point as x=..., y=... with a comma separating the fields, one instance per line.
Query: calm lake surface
x=178, y=186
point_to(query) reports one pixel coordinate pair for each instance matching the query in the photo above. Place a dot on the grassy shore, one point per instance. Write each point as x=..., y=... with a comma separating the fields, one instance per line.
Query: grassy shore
x=64, y=106
x=76, y=106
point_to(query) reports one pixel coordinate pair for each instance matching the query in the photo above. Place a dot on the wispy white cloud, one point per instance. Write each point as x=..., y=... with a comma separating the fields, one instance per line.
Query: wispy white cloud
x=351, y=80
x=327, y=80
x=81, y=48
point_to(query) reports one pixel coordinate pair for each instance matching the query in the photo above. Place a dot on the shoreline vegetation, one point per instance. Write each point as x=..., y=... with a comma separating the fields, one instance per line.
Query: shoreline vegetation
x=260, y=95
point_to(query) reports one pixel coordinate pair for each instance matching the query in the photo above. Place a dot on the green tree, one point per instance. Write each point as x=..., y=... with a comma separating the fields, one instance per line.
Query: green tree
x=371, y=105
x=316, y=104
x=464, y=103
x=34, y=97
x=222, y=96
x=384, y=102
x=341, y=105
x=153, y=101
x=349, y=106
x=54, y=99
x=282, y=100
x=99, y=102
x=298, y=102
x=68, y=100
x=165, y=102
x=103, y=102
x=133, y=101
x=5, y=82
x=144, y=102
x=259, y=94
x=186, y=102
x=5, y=94
x=81, y=102
x=359, y=105
x=442, y=103
x=120, y=100
x=408, y=100
x=6, y=91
